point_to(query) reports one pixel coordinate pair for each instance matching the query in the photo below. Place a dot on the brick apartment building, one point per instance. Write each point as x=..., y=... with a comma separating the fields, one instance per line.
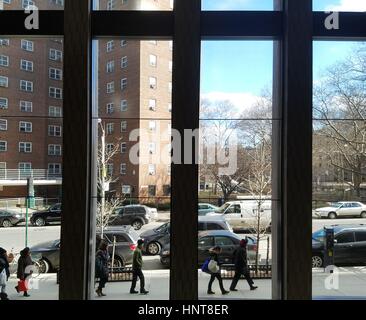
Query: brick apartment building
x=134, y=92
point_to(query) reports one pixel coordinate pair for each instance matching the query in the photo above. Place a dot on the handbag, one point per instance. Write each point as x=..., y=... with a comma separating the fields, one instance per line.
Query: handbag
x=204, y=267
x=22, y=285
x=213, y=266
x=3, y=278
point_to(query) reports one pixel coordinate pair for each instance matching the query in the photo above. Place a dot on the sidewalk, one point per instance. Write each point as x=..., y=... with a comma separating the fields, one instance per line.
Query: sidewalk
x=352, y=285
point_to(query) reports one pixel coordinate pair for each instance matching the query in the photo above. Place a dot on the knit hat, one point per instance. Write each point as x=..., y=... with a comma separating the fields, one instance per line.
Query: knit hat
x=140, y=242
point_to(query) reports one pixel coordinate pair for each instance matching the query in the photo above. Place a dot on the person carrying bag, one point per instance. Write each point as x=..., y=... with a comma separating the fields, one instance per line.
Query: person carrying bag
x=214, y=269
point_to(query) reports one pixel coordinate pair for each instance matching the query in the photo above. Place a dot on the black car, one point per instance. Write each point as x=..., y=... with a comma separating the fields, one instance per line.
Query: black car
x=157, y=238
x=10, y=218
x=227, y=240
x=51, y=215
x=48, y=253
x=349, y=246
x=134, y=215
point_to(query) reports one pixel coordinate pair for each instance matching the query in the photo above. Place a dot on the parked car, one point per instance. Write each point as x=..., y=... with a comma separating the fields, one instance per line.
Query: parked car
x=51, y=215
x=157, y=238
x=227, y=240
x=10, y=218
x=341, y=210
x=135, y=215
x=349, y=246
x=244, y=214
x=204, y=208
x=48, y=253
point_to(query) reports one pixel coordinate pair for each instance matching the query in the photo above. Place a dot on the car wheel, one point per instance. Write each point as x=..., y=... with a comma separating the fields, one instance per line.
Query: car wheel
x=137, y=224
x=43, y=266
x=40, y=222
x=7, y=223
x=153, y=248
x=332, y=215
x=363, y=215
x=317, y=261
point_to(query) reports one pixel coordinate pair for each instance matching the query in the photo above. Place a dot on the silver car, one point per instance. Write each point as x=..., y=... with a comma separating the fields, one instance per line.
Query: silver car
x=341, y=210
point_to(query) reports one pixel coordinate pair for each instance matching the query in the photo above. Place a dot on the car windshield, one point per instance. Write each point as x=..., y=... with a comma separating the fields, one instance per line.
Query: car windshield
x=319, y=235
x=223, y=208
x=163, y=227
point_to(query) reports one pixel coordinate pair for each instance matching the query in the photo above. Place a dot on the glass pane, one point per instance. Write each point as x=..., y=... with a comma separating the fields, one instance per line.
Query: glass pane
x=161, y=5
x=231, y=5
x=132, y=117
x=236, y=163
x=40, y=4
x=339, y=5
x=339, y=165
x=31, y=147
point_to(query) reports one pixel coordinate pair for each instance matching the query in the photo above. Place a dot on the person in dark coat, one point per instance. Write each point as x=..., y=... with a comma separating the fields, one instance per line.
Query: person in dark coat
x=137, y=269
x=101, y=267
x=4, y=265
x=216, y=275
x=241, y=266
x=24, y=268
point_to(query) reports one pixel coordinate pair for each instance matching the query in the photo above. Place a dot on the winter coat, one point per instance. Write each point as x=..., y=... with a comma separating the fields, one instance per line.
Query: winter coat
x=101, y=264
x=4, y=264
x=23, y=263
x=240, y=259
x=137, y=259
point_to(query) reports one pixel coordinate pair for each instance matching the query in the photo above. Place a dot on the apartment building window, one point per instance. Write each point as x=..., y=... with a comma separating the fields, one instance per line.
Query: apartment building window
x=152, y=125
x=123, y=83
x=25, y=147
x=54, y=150
x=110, y=108
x=109, y=147
x=26, y=85
x=110, y=66
x=26, y=65
x=55, y=74
x=58, y=2
x=110, y=87
x=171, y=66
x=110, y=128
x=3, y=103
x=4, y=61
x=4, y=82
x=25, y=126
x=152, y=147
x=55, y=112
x=27, y=3
x=3, y=146
x=124, y=62
x=54, y=169
x=153, y=60
x=123, y=126
x=123, y=147
x=123, y=43
x=27, y=45
x=166, y=190
x=25, y=106
x=54, y=131
x=4, y=42
x=110, y=46
x=25, y=167
x=126, y=189
x=152, y=82
x=55, y=93
x=55, y=55
x=152, y=169
x=124, y=105
x=152, y=190
x=110, y=169
x=110, y=4
x=123, y=169
x=152, y=104
x=3, y=125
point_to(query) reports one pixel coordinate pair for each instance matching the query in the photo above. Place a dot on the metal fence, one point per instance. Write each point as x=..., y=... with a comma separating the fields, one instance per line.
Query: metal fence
x=37, y=174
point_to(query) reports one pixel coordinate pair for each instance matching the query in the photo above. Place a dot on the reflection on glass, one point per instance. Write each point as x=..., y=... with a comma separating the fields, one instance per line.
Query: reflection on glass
x=339, y=5
x=217, y=5
x=162, y=5
x=24, y=4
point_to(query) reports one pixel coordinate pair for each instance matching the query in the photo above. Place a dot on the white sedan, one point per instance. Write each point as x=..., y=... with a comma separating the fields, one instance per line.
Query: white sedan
x=341, y=210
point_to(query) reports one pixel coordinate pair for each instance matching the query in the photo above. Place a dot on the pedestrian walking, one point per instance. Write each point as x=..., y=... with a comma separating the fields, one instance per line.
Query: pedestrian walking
x=137, y=269
x=215, y=271
x=101, y=267
x=24, y=271
x=241, y=266
x=4, y=273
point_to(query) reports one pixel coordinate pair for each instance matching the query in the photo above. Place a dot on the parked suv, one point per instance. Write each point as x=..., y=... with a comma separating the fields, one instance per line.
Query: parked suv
x=51, y=215
x=48, y=253
x=349, y=245
x=134, y=215
x=157, y=238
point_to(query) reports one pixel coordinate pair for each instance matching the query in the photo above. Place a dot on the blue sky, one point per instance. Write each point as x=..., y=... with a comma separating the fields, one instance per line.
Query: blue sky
x=245, y=67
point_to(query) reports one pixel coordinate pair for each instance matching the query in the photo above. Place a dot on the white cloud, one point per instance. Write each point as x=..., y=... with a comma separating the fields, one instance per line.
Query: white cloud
x=348, y=5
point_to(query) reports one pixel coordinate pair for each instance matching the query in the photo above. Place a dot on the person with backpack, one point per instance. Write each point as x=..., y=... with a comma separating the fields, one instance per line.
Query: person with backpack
x=214, y=270
x=4, y=273
x=241, y=266
x=101, y=267
x=24, y=271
